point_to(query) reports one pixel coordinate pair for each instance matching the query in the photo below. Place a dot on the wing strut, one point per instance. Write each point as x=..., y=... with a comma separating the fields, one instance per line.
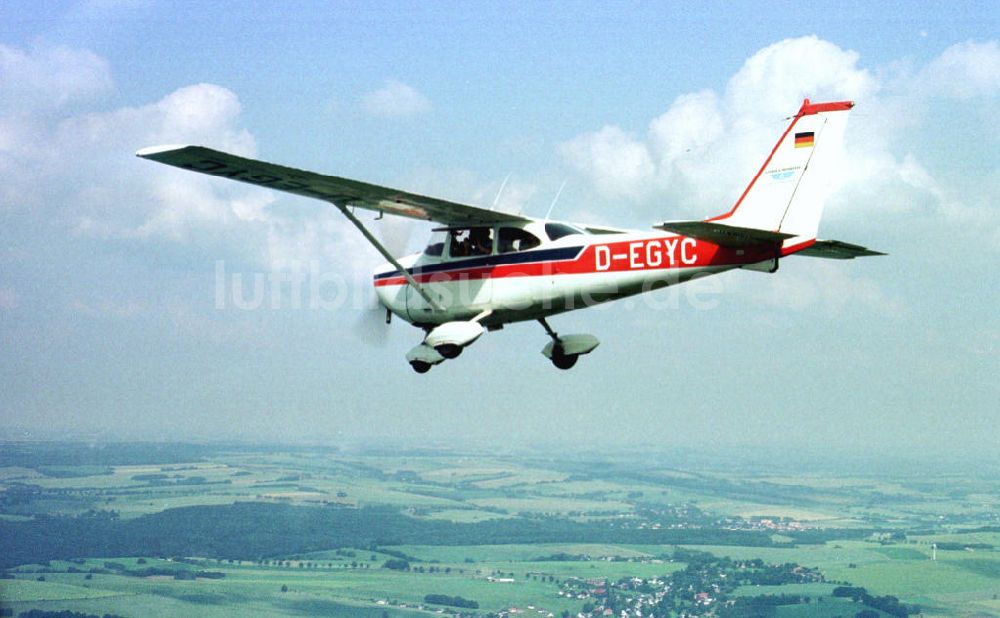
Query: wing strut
x=388, y=256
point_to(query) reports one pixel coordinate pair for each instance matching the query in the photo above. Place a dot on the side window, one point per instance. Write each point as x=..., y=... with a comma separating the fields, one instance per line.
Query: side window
x=460, y=244
x=468, y=242
x=482, y=240
x=515, y=239
x=556, y=231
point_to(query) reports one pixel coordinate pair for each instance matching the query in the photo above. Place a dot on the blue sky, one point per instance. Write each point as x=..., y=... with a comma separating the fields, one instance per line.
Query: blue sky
x=109, y=321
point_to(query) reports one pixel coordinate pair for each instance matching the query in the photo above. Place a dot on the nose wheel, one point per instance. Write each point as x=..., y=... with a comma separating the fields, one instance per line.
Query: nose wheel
x=423, y=357
x=420, y=366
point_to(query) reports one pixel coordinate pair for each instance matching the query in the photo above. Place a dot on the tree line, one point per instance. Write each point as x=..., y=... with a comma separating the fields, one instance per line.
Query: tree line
x=888, y=604
x=253, y=531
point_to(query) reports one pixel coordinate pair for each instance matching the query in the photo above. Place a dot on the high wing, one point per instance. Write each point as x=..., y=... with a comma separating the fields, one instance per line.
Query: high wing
x=342, y=192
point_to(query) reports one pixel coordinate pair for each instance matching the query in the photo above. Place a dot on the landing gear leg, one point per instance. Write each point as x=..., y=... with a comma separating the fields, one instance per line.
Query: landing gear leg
x=548, y=329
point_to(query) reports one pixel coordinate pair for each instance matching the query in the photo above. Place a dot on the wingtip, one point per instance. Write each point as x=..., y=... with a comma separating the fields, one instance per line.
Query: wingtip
x=151, y=151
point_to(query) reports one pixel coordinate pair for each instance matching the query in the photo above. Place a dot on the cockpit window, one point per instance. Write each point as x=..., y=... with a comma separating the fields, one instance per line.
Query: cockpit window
x=436, y=245
x=555, y=231
x=466, y=242
x=515, y=239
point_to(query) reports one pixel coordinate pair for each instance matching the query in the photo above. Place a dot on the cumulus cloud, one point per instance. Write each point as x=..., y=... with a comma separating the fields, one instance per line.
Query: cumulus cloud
x=697, y=156
x=395, y=100
x=50, y=78
x=692, y=123
x=705, y=145
x=71, y=163
x=827, y=285
x=514, y=196
x=96, y=150
x=774, y=80
x=964, y=71
x=618, y=164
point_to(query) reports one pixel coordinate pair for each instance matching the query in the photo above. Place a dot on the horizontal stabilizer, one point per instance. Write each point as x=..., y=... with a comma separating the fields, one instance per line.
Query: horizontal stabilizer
x=724, y=235
x=837, y=250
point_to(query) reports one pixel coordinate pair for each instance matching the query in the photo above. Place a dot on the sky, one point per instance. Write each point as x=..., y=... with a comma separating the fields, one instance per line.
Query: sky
x=142, y=302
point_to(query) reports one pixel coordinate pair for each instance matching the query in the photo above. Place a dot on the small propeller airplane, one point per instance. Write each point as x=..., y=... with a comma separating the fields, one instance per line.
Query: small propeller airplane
x=483, y=268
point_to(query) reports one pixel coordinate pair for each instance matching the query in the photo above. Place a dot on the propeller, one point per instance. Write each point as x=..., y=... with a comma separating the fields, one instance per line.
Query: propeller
x=371, y=326
x=396, y=233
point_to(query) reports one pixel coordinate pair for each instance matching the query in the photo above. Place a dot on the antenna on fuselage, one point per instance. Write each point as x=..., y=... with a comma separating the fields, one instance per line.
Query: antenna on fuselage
x=554, y=200
x=503, y=184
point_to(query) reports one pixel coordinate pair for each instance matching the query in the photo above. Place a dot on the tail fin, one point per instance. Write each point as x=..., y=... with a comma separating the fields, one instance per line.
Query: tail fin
x=788, y=192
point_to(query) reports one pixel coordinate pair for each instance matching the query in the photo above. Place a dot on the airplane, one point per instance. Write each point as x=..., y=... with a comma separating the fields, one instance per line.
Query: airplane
x=485, y=268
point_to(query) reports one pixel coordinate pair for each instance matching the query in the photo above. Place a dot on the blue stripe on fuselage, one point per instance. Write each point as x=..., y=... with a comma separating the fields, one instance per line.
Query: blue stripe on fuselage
x=521, y=257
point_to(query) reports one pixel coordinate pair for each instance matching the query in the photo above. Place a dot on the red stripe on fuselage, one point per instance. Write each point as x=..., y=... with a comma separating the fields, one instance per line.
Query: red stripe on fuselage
x=657, y=253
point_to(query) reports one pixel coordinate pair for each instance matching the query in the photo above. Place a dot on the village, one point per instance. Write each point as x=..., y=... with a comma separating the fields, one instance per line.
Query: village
x=702, y=588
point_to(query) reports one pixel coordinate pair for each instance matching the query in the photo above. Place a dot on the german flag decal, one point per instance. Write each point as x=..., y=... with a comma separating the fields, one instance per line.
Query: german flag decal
x=805, y=140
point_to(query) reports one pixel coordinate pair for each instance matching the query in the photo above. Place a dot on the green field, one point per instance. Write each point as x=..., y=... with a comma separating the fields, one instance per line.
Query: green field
x=897, y=520
x=262, y=589
x=54, y=590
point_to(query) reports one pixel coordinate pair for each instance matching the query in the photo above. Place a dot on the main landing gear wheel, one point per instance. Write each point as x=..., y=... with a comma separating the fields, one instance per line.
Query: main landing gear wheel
x=562, y=360
x=565, y=350
x=449, y=350
x=420, y=366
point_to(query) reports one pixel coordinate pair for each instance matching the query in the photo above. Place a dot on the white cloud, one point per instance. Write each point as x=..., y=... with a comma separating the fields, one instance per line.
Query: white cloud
x=514, y=197
x=182, y=204
x=66, y=155
x=74, y=166
x=963, y=71
x=774, y=80
x=395, y=100
x=617, y=164
x=698, y=155
x=691, y=123
x=201, y=113
x=163, y=203
x=826, y=284
x=50, y=78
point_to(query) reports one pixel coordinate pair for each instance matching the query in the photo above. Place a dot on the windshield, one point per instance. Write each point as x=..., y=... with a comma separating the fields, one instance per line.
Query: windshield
x=436, y=244
x=556, y=231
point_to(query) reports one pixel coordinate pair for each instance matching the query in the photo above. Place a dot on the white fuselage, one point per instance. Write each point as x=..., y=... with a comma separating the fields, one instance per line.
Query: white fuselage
x=569, y=272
